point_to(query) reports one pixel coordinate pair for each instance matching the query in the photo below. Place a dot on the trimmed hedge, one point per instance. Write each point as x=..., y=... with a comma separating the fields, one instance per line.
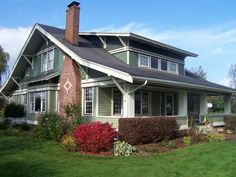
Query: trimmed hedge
x=14, y=110
x=147, y=130
x=230, y=122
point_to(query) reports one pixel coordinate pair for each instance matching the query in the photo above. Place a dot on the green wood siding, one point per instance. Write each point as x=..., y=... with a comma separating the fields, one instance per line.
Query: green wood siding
x=15, y=99
x=122, y=56
x=52, y=101
x=112, y=43
x=133, y=58
x=104, y=105
x=156, y=105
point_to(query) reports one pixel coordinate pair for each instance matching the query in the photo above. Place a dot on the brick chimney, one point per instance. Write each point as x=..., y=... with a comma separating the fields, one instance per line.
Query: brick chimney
x=70, y=80
x=72, y=23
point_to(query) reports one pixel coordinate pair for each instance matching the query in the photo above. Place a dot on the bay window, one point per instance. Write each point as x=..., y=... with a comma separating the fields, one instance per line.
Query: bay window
x=38, y=102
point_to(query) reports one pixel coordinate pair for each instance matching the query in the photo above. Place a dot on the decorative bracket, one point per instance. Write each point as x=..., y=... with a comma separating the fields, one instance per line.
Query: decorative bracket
x=103, y=42
x=27, y=59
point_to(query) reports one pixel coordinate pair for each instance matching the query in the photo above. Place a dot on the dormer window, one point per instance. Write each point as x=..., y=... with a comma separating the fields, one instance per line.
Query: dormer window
x=164, y=65
x=173, y=67
x=47, y=60
x=144, y=61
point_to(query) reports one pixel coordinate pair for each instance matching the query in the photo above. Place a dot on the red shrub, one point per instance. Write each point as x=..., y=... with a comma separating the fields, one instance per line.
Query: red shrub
x=147, y=130
x=95, y=137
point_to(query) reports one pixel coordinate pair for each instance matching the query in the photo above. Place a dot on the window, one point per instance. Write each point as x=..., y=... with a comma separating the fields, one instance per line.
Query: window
x=144, y=61
x=117, y=102
x=24, y=99
x=173, y=67
x=38, y=102
x=163, y=65
x=142, y=103
x=88, y=101
x=154, y=63
x=47, y=60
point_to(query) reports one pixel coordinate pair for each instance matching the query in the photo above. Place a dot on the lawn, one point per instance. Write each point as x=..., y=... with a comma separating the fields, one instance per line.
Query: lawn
x=25, y=157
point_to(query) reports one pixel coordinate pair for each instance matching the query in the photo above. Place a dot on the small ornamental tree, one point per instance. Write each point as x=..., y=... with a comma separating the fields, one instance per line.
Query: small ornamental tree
x=95, y=137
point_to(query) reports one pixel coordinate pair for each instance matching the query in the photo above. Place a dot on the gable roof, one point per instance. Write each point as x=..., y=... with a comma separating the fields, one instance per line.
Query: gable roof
x=89, y=55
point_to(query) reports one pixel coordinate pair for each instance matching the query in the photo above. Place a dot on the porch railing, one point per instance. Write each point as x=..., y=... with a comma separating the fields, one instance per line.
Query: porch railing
x=213, y=117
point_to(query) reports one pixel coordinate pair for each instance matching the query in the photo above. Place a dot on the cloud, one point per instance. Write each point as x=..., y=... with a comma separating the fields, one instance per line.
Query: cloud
x=12, y=41
x=225, y=82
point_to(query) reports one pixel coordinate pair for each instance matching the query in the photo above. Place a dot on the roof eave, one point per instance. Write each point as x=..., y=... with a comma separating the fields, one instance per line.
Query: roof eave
x=186, y=85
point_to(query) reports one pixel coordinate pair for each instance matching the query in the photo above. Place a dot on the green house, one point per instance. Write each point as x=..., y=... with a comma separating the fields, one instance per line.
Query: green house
x=112, y=75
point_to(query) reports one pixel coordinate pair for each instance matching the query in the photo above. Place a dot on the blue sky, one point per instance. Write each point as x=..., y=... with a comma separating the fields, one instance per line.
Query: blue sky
x=205, y=27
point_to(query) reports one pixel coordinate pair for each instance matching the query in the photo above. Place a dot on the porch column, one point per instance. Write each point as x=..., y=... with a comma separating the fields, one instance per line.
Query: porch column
x=227, y=104
x=203, y=103
x=128, y=102
x=183, y=103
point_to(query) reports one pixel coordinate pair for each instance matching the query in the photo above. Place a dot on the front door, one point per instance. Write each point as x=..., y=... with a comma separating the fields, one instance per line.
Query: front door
x=169, y=104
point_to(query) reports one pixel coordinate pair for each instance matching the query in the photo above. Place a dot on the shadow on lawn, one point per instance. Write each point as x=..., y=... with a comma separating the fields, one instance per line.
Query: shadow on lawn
x=25, y=169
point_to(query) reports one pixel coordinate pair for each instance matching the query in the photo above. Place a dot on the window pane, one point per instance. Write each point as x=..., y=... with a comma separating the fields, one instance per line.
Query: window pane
x=163, y=65
x=44, y=64
x=88, y=101
x=145, y=103
x=154, y=63
x=117, y=102
x=144, y=60
x=137, y=102
x=50, y=59
x=37, y=102
x=32, y=101
x=173, y=67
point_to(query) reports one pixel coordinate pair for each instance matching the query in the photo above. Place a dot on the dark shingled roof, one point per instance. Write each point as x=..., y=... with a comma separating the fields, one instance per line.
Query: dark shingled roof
x=89, y=51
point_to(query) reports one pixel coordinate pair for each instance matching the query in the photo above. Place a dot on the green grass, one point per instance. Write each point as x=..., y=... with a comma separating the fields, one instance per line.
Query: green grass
x=25, y=157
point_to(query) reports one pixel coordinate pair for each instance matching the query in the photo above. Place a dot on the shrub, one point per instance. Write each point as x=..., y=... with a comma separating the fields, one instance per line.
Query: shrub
x=187, y=140
x=5, y=125
x=14, y=110
x=165, y=143
x=147, y=130
x=68, y=143
x=121, y=148
x=215, y=137
x=73, y=115
x=196, y=134
x=230, y=122
x=95, y=137
x=50, y=126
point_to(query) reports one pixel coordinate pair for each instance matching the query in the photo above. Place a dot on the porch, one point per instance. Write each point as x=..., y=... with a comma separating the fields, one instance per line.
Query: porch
x=108, y=101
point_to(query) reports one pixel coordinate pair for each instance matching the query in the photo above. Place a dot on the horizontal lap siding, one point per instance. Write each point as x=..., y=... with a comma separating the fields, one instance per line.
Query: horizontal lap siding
x=133, y=59
x=104, y=105
x=122, y=56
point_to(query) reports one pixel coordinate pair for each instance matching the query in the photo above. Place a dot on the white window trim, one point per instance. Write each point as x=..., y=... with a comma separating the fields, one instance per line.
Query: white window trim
x=177, y=67
x=112, y=101
x=84, y=101
x=41, y=103
x=47, y=60
x=149, y=104
x=173, y=103
x=149, y=61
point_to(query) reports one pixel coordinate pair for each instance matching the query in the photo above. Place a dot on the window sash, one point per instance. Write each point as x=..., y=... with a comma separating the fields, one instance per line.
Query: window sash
x=173, y=67
x=142, y=106
x=47, y=60
x=88, y=101
x=117, y=102
x=38, y=102
x=144, y=61
x=164, y=65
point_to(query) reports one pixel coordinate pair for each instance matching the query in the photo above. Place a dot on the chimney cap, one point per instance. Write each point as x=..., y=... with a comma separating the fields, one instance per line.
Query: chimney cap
x=73, y=3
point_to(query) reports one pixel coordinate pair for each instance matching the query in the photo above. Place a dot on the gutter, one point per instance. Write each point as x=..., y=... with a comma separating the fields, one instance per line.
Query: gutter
x=181, y=84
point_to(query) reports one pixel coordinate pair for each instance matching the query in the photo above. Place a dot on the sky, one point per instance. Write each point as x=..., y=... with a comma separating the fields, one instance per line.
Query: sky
x=204, y=27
